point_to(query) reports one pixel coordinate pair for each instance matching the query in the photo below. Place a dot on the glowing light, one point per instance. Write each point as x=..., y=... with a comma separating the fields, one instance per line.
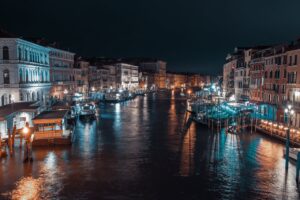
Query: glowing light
x=292, y=112
x=25, y=130
x=232, y=98
x=289, y=107
x=297, y=93
x=65, y=91
x=286, y=110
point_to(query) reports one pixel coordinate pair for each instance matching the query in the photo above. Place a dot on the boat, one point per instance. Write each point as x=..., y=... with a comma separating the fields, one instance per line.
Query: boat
x=293, y=153
x=117, y=97
x=232, y=129
x=52, y=128
x=87, y=110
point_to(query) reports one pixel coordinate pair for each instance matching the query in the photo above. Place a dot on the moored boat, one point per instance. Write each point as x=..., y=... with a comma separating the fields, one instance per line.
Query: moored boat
x=293, y=153
x=52, y=128
x=87, y=110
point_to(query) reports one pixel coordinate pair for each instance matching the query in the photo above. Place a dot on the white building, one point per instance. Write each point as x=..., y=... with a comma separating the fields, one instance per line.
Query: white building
x=127, y=76
x=81, y=71
x=24, y=71
x=61, y=73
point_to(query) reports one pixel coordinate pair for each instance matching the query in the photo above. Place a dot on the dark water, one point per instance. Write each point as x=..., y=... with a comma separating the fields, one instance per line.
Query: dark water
x=141, y=150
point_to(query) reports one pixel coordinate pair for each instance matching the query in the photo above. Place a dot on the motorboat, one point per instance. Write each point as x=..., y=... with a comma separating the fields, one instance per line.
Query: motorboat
x=293, y=153
x=87, y=110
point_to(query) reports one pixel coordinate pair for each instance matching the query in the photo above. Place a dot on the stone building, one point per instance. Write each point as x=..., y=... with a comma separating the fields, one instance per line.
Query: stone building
x=81, y=75
x=293, y=80
x=61, y=73
x=24, y=71
x=127, y=76
x=158, y=68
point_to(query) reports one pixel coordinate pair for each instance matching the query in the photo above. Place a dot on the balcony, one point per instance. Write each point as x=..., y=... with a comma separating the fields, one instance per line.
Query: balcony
x=24, y=62
x=34, y=84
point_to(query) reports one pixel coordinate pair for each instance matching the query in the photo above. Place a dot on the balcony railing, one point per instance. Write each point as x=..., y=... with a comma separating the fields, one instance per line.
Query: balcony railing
x=11, y=61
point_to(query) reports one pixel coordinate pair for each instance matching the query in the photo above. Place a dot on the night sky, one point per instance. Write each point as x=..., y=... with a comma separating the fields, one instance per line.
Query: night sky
x=191, y=35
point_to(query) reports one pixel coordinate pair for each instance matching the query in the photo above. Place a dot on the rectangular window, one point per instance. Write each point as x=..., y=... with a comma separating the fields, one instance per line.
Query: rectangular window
x=295, y=61
x=284, y=60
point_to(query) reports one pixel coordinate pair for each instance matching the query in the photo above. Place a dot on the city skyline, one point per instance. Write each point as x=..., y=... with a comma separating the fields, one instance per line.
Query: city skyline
x=193, y=37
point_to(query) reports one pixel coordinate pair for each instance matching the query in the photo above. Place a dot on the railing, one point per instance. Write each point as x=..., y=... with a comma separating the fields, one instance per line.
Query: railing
x=13, y=61
x=24, y=85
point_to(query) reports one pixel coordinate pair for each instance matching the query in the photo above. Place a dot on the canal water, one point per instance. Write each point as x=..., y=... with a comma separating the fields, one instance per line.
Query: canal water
x=144, y=149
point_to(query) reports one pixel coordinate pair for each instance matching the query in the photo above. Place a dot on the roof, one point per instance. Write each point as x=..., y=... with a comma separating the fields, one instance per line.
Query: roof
x=53, y=114
x=17, y=107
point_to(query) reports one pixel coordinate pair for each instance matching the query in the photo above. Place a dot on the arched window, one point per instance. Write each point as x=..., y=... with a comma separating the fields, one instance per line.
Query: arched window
x=2, y=100
x=21, y=96
x=5, y=53
x=20, y=75
x=6, y=76
x=27, y=76
x=33, y=96
x=20, y=53
x=25, y=56
x=28, y=96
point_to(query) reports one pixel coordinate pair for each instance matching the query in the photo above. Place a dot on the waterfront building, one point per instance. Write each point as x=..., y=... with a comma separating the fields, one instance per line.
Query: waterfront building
x=81, y=75
x=127, y=76
x=293, y=80
x=228, y=74
x=111, y=76
x=158, y=68
x=242, y=75
x=16, y=115
x=147, y=79
x=62, y=73
x=24, y=71
x=275, y=80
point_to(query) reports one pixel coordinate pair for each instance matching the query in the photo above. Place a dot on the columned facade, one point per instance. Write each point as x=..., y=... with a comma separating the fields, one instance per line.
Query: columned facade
x=24, y=71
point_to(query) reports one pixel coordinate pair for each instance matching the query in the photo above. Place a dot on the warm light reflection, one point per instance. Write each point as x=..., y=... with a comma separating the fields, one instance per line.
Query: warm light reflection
x=27, y=189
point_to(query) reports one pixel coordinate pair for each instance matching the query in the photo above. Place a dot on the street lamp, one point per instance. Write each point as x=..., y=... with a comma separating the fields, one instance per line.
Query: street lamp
x=28, y=136
x=289, y=113
x=25, y=131
x=189, y=92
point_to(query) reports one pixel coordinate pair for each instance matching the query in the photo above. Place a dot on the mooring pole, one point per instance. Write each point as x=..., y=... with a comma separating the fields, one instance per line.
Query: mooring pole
x=298, y=167
x=287, y=146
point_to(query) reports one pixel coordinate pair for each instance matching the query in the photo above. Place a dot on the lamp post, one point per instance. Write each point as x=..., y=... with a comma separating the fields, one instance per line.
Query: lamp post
x=289, y=112
x=28, y=139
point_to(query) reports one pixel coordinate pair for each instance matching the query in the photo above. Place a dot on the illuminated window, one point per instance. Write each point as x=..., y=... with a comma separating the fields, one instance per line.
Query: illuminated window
x=6, y=76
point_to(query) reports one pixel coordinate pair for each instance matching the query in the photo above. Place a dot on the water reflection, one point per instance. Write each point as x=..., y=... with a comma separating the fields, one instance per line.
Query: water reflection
x=148, y=149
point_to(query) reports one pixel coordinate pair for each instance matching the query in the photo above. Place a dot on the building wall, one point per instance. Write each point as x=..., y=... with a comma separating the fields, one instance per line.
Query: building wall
x=127, y=76
x=228, y=77
x=159, y=69
x=62, y=73
x=25, y=75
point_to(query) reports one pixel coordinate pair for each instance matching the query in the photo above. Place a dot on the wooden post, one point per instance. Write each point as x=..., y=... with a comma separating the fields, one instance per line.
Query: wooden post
x=298, y=167
x=9, y=141
x=0, y=146
x=14, y=135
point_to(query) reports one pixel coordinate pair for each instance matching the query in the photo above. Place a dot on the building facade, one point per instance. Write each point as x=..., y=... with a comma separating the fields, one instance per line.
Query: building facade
x=127, y=76
x=81, y=74
x=158, y=68
x=62, y=73
x=25, y=71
